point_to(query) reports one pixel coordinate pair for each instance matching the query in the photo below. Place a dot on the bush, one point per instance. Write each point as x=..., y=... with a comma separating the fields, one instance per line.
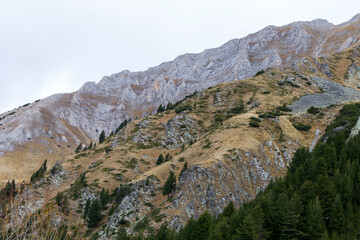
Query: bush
x=284, y=108
x=183, y=108
x=294, y=85
x=253, y=123
x=218, y=118
x=302, y=127
x=237, y=109
x=313, y=110
x=255, y=119
x=259, y=72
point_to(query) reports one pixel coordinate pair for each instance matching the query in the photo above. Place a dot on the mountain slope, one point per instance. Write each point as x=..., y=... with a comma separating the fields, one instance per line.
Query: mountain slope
x=54, y=126
x=228, y=159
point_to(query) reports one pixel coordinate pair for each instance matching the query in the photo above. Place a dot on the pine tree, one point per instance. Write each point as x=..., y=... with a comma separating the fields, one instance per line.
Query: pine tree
x=13, y=185
x=102, y=137
x=185, y=167
x=104, y=197
x=202, y=226
x=170, y=184
x=315, y=225
x=248, y=228
x=160, y=109
x=337, y=216
x=87, y=207
x=78, y=149
x=44, y=166
x=289, y=222
x=8, y=188
x=90, y=145
x=229, y=210
x=167, y=157
x=160, y=160
x=94, y=215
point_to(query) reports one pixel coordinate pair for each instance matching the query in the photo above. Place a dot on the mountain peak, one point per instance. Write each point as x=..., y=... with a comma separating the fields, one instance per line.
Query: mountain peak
x=355, y=18
x=320, y=24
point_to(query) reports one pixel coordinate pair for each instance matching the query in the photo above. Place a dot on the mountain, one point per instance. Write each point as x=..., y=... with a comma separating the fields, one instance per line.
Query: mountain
x=223, y=144
x=53, y=127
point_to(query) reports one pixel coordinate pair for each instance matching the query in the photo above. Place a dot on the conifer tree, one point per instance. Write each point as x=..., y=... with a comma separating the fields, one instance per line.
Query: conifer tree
x=185, y=167
x=170, y=184
x=229, y=210
x=160, y=109
x=160, y=160
x=94, y=215
x=87, y=207
x=13, y=185
x=102, y=137
x=201, y=230
x=315, y=225
x=104, y=197
x=337, y=215
x=78, y=149
x=167, y=157
x=44, y=166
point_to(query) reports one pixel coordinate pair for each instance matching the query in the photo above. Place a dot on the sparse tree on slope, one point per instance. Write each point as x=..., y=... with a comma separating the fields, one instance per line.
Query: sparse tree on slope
x=170, y=184
x=102, y=137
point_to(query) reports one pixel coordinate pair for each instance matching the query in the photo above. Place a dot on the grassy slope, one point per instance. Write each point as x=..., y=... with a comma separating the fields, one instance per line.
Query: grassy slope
x=132, y=162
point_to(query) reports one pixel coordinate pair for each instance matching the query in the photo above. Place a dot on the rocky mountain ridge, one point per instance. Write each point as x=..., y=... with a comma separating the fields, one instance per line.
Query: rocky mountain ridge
x=235, y=137
x=60, y=122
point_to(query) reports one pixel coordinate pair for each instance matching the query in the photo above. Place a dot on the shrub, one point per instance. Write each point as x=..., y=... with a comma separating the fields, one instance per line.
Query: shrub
x=253, y=123
x=218, y=118
x=294, y=85
x=183, y=108
x=302, y=127
x=313, y=110
x=255, y=119
x=284, y=108
x=259, y=72
x=237, y=109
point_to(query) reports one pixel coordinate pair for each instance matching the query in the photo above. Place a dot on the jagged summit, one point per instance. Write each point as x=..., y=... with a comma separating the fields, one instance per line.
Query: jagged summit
x=59, y=123
x=355, y=18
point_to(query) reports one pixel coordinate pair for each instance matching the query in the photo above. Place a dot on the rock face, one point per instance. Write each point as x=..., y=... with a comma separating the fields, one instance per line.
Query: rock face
x=68, y=119
x=333, y=93
x=179, y=130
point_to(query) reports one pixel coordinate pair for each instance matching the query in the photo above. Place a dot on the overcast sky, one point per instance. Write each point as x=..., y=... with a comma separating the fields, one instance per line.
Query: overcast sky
x=55, y=46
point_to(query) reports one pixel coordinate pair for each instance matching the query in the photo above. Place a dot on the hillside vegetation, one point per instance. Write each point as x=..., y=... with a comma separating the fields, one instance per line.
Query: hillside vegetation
x=213, y=152
x=317, y=199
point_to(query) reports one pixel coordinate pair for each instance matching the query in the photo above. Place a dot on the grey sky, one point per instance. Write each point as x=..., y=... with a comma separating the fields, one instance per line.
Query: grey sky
x=55, y=46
